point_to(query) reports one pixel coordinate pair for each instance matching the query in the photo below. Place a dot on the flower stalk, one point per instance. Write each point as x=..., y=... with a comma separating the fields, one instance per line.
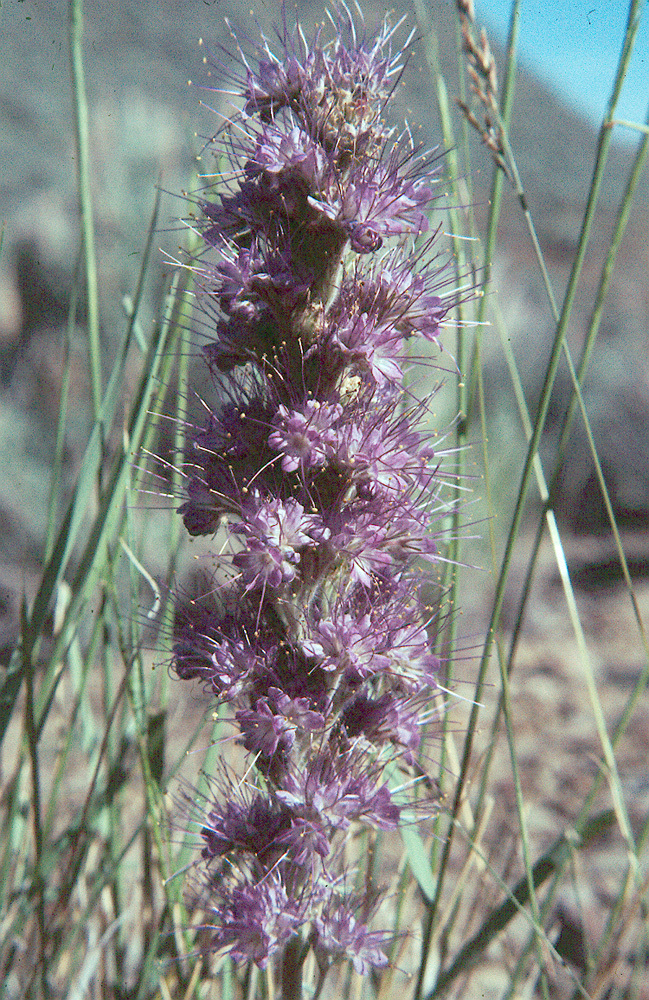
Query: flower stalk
x=317, y=269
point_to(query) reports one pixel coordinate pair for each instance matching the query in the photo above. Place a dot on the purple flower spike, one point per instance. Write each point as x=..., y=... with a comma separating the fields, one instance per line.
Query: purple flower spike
x=314, y=466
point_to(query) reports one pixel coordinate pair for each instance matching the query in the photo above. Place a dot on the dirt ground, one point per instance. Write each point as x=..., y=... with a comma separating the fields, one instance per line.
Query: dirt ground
x=560, y=754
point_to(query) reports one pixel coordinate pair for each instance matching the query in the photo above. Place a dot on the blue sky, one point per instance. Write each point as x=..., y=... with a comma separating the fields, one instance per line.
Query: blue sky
x=574, y=45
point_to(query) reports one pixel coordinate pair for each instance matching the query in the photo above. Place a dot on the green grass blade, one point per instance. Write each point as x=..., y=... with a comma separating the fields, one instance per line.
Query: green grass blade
x=518, y=898
x=80, y=104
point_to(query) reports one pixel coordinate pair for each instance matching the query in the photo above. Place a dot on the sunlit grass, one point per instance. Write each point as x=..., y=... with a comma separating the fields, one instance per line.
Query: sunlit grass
x=94, y=731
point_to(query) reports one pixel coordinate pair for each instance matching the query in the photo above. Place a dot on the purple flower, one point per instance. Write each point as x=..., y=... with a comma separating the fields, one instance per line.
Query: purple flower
x=336, y=89
x=291, y=158
x=252, y=283
x=339, y=791
x=263, y=731
x=306, y=842
x=306, y=436
x=255, y=919
x=203, y=649
x=340, y=935
x=380, y=201
x=384, y=719
x=312, y=464
x=386, y=453
x=275, y=532
x=347, y=646
x=250, y=824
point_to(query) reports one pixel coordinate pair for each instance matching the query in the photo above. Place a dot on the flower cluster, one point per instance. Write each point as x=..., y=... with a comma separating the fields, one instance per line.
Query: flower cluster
x=313, y=462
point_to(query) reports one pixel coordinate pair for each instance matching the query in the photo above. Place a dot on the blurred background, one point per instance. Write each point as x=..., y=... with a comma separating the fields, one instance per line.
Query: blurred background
x=146, y=124
x=146, y=128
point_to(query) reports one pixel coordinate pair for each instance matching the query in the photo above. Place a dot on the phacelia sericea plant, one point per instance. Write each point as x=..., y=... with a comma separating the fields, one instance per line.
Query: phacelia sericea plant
x=317, y=269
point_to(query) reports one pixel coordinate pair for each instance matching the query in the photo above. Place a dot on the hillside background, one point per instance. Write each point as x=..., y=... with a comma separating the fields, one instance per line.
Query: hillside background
x=144, y=123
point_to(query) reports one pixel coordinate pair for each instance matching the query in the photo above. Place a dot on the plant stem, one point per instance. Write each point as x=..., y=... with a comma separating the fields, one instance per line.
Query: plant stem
x=292, y=961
